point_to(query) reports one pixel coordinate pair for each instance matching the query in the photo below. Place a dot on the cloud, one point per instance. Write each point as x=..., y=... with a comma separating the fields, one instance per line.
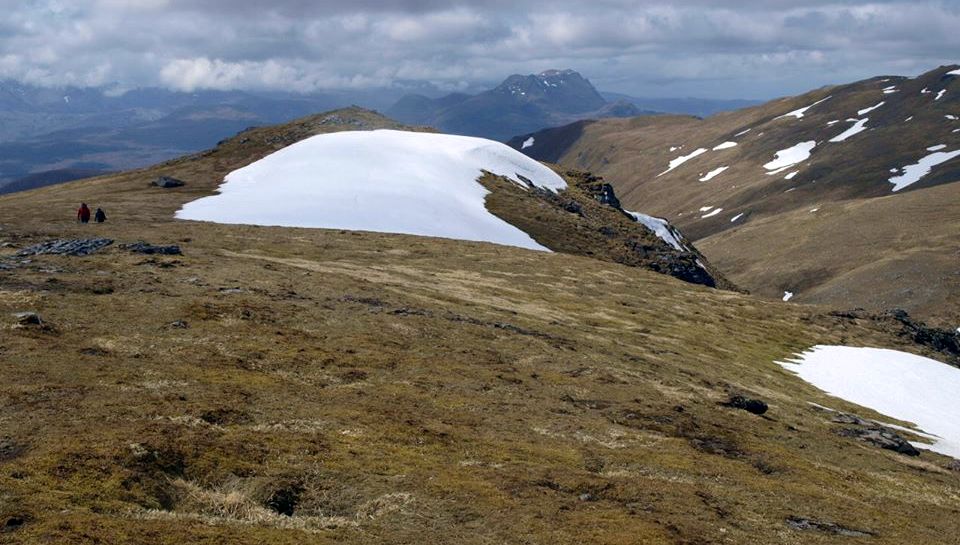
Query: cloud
x=719, y=48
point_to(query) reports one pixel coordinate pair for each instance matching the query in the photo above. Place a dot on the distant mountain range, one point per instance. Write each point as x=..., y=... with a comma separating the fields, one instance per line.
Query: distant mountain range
x=52, y=135
x=846, y=195
x=519, y=104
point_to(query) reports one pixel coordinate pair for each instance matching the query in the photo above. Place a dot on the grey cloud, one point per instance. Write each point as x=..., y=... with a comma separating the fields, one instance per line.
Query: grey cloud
x=707, y=48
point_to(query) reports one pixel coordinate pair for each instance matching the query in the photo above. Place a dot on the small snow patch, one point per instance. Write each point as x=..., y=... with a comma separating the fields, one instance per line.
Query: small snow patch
x=951, y=117
x=791, y=156
x=712, y=214
x=857, y=128
x=936, y=148
x=787, y=295
x=705, y=208
x=528, y=143
x=832, y=123
x=741, y=133
x=865, y=111
x=791, y=175
x=802, y=111
x=662, y=229
x=925, y=91
x=683, y=159
x=909, y=119
x=725, y=145
x=913, y=173
x=735, y=218
x=940, y=94
x=954, y=73
x=713, y=174
x=815, y=210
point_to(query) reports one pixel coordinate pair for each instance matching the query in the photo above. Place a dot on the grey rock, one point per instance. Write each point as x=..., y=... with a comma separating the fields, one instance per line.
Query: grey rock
x=141, y=247
x=883, y=438
x=806, y=524
x=72, y=247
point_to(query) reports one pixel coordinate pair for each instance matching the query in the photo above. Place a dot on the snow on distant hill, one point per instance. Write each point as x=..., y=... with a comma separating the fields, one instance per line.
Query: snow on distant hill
x=385, y=181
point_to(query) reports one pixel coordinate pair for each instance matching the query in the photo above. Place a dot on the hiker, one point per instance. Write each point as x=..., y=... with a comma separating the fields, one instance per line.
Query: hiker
x=83, y=213
x=100, y=216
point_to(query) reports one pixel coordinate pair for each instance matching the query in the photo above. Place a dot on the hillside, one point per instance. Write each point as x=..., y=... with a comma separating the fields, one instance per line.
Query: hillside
x=521, y=103
x=844, y=195
x=283, y=385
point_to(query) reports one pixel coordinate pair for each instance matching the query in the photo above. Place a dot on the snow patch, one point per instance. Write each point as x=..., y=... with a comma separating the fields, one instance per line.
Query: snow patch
x=909, y=119
x=528, y=143
x=725, y=145
x=683, y=159
x=832, y=123
x=936, y=148
x=954, y=73
x=791, y=156
x=857, y=128
x=713, y=174
x=940, y=94
x=865, y=111
x=913, y=173
x=802, y=111
x=900, y=385
x=951, y=117
x=787, y=295
x=735, y=218
x=741, y=133
x=385, y=181
x=791, y=175
x=705, y=208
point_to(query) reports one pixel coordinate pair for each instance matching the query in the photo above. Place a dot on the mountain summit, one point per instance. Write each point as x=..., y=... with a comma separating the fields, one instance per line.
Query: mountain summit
x=522, y=103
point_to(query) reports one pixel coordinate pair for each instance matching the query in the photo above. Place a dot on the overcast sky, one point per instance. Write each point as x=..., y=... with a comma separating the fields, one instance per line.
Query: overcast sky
x=717, y=49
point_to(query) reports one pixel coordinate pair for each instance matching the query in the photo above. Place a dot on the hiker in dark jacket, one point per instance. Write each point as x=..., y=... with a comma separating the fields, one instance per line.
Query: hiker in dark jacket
x=83, y=213
x=100, y=216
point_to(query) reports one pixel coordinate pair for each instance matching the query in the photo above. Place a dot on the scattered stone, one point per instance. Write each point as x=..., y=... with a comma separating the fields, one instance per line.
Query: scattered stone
x=10, y=449
x=179, y=324
x=141, y=247
x=954, y=465
x=586, y=496
x=805, y=524
x=883, y=438
x=72, y=247
x=844, y=418
x=754, y=406
x=166, y=182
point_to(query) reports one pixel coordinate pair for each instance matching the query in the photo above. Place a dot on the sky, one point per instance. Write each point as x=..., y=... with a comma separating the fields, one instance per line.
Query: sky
x=711, y=49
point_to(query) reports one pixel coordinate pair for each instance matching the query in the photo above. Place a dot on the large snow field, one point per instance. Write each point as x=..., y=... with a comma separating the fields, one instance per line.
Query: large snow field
x=385, y=181
x=897, y=384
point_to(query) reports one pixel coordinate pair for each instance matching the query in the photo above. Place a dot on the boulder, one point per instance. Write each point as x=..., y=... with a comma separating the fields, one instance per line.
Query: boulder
x=166, y=182
x=754, y=406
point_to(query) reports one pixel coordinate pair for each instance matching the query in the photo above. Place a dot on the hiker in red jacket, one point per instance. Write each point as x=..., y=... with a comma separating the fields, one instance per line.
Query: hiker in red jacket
x=83, y=213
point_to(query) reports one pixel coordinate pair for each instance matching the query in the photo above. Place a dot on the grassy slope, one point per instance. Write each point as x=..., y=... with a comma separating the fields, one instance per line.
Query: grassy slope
x=401, y=389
